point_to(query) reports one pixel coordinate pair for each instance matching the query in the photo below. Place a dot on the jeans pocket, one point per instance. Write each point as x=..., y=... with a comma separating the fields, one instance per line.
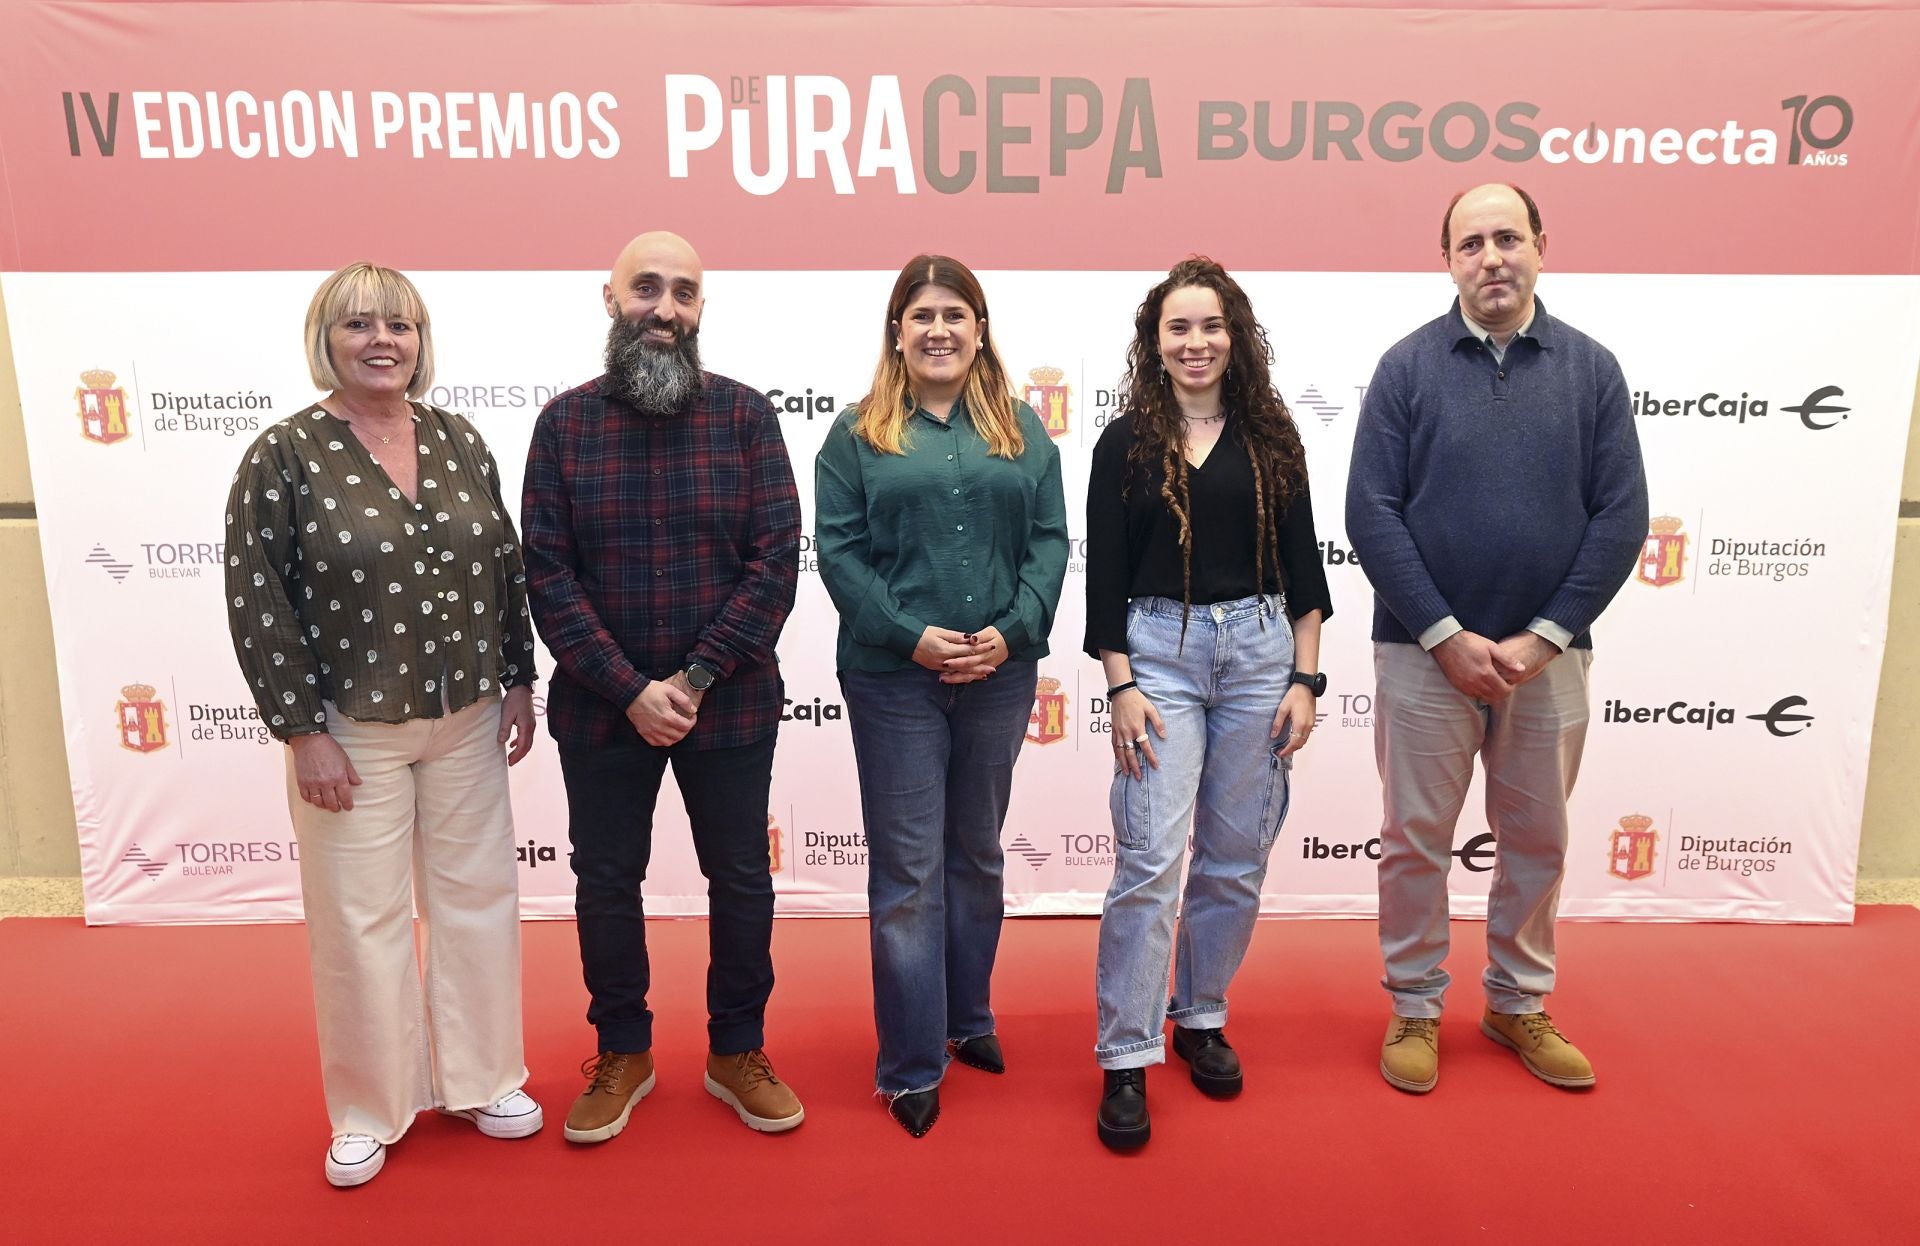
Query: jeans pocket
x=1130, y=804
x=1273, y=814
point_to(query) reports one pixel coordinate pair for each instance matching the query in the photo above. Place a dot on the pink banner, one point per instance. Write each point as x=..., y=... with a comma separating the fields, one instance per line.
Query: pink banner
x=164, y=137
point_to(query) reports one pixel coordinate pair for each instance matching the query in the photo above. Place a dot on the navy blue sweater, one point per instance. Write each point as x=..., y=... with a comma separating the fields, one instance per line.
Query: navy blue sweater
x=1495, y=492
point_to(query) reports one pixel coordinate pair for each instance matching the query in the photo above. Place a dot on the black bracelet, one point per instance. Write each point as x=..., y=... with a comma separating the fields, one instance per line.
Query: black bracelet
x=1117, y=689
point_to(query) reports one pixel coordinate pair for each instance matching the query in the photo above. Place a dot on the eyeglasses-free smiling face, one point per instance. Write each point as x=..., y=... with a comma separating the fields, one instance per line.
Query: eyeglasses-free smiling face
x=1494, y=258
x=938, y=336
x=373, y=354
x=1195, y=346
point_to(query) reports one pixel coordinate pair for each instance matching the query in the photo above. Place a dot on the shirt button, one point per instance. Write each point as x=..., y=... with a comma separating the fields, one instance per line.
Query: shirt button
x=436, y=571
x=656, y=523
x=956, y=492
x=949, y=458
x=656, y=471
x=969, y=596
x=965, y=563
x=959, y=527
x=658, y=574
x=659, y=622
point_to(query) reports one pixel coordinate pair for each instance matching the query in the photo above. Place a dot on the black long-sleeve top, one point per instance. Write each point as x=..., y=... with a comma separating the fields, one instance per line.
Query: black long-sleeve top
x=1133, y=540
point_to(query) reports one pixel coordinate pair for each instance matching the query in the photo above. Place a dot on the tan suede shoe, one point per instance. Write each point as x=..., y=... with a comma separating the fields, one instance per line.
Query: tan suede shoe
x=616, y=1080
x=1542, y=1047
x=746, y=1083
x=1410, y=1056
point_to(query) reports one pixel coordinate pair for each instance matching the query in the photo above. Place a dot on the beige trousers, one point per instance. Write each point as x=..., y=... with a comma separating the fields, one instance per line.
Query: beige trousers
x=401, y=1029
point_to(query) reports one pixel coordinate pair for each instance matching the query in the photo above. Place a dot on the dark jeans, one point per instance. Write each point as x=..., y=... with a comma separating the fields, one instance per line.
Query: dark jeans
x=610, y=799
x=936, y=772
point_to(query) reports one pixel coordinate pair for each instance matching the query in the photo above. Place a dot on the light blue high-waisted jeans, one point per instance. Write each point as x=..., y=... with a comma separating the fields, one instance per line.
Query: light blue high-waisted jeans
x=1219, y=774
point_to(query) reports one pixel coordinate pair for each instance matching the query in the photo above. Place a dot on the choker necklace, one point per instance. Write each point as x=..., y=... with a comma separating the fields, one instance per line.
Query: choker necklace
x=1204, y=419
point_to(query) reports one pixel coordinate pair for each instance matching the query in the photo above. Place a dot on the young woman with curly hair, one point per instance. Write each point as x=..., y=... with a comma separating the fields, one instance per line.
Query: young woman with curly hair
x=1205, y=596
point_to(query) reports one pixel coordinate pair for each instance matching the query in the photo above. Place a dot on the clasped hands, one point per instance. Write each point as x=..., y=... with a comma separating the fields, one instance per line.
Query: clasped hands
x=1490, y=670
x=665, y=710
x=961, y=657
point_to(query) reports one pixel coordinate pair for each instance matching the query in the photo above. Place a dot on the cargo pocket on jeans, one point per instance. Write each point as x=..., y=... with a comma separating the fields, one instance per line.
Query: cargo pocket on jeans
x=1273, y=814
x=1130, y=803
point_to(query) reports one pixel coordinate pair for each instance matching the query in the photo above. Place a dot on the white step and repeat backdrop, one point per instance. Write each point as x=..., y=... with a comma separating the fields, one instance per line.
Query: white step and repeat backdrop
x=1766, y=311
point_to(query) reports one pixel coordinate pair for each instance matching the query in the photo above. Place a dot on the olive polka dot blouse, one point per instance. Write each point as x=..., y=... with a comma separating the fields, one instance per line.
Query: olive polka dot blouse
x=340, y=589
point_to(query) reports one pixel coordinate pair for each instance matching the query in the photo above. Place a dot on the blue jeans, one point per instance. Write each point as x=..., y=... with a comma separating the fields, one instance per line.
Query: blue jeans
x=1218, y=773
x=936, y=771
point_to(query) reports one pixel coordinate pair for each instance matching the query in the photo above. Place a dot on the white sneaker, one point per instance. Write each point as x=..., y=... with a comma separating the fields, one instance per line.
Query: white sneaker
x=353, y=1159
x=512, y=1115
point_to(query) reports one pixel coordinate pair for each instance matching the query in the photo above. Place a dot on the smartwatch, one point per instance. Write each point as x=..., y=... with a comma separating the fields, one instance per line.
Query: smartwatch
x=1316, y=684
x=699, y=678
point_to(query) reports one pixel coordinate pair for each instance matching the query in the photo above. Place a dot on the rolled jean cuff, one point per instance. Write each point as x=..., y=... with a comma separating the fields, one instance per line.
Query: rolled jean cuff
x=625, y=1039
x=740, y=1036
x=1418, y=1007
x=1203, y=1017
x=1135, y=1056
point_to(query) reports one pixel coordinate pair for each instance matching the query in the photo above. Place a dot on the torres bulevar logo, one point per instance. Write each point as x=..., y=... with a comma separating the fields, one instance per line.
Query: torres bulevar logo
x=137, y=857
x=1048, y=393
x=1663, y=559
x=1047, y=724
x=1024, y=848
x=102, y=407
x=1631, y=848
x=142, y=718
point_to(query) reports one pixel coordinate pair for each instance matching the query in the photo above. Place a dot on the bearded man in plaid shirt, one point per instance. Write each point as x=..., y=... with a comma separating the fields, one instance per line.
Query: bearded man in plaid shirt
x=662, y=534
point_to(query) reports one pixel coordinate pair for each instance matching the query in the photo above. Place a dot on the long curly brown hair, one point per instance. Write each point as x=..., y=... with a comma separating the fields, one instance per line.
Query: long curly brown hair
x=1257, y=418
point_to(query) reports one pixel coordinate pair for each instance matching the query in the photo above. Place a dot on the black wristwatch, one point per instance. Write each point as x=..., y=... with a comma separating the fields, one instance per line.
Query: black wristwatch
x=1316, y=684
x=699, y=678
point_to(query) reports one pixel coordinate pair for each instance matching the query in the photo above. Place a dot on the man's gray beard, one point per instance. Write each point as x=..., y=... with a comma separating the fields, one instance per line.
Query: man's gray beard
x=651, y=378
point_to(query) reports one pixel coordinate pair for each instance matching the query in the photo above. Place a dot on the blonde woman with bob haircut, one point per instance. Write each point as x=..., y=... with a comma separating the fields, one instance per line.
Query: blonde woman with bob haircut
x=943, y=543
x=379, y=612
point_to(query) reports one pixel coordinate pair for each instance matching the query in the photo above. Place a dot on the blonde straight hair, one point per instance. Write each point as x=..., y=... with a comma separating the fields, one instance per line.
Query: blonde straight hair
x=382, y=293
x=882, y=421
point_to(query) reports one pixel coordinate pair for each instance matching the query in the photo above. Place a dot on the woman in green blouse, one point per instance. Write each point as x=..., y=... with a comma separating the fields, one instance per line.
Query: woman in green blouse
x=943, y=542
x=379, y=612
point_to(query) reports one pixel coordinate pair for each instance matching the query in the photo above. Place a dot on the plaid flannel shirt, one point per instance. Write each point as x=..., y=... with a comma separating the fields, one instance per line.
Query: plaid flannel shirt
x=652, y=541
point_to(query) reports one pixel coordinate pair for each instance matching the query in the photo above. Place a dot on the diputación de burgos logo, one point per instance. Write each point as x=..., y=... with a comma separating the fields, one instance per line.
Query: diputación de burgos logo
x=1663, y=559
x=103, y=408
x=1631, y=848
x=1047, y=724
x=1048, y=393
x=141, y=717
x=1670, y=555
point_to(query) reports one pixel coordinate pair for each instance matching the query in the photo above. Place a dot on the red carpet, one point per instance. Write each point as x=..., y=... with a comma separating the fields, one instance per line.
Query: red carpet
x=1757, y=1084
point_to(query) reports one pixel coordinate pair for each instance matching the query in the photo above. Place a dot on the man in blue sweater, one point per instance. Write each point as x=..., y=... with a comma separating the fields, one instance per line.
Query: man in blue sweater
x=1497, y=502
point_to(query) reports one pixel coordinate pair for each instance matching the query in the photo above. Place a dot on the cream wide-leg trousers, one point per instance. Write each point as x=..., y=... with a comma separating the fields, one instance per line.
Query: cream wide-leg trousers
x=403, y=1030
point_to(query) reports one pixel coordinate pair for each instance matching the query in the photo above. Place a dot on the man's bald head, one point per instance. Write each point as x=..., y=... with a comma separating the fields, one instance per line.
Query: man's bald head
x=657, y=276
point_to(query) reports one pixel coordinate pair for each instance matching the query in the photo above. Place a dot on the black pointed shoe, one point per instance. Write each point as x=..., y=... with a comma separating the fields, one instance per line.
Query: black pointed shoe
x=1123, y=1110
x=916, y=1110
x=981, y=1053
x=1215, y=1065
